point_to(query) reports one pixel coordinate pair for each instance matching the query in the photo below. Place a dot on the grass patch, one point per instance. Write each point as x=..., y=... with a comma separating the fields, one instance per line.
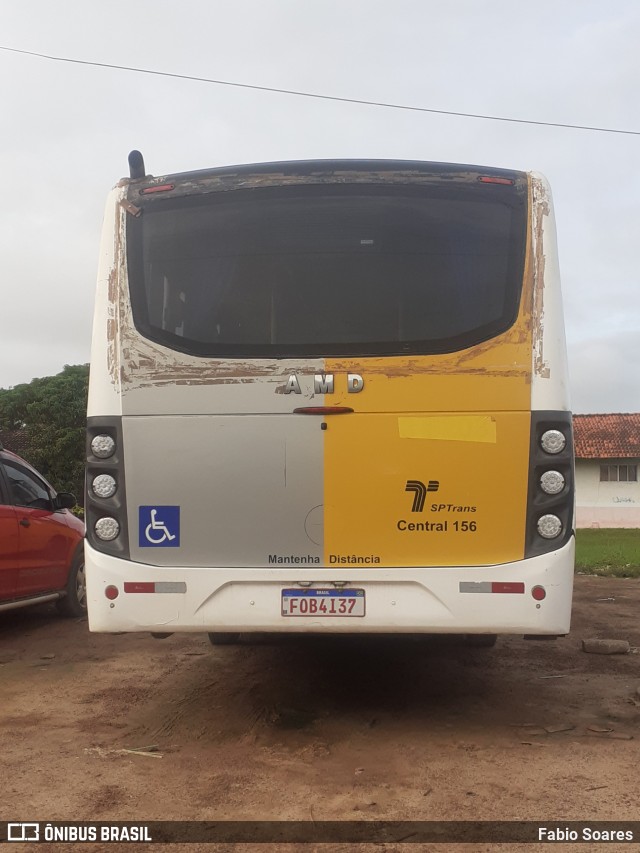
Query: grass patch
x=610, y=552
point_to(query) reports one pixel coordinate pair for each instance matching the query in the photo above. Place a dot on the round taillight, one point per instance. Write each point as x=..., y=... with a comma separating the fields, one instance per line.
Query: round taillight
x=103, y=446
x=549, y=526
x=104, y=486
x=553, y=441
x=107, y=529
x=539, y=593
x=552, y=482
x=112, y=592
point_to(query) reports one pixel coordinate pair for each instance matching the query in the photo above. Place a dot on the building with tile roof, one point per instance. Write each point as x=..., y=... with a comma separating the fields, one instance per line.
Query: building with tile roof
x=15, y=440
x=607, y=463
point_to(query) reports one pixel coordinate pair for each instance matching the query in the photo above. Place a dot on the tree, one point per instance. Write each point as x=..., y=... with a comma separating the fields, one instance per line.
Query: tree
x=52, y=413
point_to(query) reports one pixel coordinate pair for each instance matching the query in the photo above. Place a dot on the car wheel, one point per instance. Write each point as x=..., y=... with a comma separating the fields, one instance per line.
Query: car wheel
x=74, y=602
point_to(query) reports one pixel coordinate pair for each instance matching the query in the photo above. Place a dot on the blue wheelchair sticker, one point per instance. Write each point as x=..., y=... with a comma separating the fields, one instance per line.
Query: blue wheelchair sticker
x=159, y=526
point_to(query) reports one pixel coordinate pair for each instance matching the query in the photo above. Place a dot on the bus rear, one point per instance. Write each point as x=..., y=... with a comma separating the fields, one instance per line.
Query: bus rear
x=330, y=397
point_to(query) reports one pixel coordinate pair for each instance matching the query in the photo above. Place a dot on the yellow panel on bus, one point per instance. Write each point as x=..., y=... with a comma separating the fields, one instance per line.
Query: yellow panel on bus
x=415, y=490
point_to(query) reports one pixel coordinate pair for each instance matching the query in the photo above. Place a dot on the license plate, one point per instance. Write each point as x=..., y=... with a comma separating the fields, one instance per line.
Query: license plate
x=323, y=602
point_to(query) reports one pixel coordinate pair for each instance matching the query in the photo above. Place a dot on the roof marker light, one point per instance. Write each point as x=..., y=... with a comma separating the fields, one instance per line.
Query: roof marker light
x=161, y=188
x=493, y=179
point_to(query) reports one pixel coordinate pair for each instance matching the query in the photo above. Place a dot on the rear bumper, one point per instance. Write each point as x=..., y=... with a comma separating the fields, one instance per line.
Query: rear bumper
x=400, y=600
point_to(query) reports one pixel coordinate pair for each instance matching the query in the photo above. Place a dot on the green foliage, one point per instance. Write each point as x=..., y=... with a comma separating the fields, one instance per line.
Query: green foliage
x=52, y=413
x=611, y=552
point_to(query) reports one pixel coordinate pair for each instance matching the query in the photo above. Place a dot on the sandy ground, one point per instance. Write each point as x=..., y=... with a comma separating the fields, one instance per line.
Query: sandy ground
x=336, y=729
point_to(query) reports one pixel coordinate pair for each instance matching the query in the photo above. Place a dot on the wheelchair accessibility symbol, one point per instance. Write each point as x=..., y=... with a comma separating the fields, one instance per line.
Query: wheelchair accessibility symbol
x=159, y=526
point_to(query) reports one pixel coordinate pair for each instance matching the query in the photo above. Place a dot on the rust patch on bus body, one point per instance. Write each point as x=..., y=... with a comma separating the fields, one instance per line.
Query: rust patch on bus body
x=539, y=210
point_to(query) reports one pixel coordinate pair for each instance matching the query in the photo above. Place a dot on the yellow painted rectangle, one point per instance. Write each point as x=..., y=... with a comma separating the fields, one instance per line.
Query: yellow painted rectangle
x=475, y=493
x=477, y=429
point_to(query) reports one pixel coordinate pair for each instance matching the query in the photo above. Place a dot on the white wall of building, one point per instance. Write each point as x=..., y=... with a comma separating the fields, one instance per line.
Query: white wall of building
x=605, y=504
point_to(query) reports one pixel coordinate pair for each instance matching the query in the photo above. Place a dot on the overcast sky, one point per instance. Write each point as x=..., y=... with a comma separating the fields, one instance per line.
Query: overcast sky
x=66, y=130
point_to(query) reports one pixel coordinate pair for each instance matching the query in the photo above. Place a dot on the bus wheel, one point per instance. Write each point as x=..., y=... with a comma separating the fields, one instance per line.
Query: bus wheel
x=481, y=641
x=227, y=639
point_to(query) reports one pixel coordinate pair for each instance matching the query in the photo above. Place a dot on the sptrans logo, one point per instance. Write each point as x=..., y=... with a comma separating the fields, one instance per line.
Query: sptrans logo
x=420, y=490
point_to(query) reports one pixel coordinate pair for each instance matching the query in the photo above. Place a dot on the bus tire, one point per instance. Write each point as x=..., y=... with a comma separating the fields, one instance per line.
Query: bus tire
x=481, y=641
x=74, y=603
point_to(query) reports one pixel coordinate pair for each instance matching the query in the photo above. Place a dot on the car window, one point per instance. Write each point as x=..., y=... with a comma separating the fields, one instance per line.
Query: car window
x=26, y=488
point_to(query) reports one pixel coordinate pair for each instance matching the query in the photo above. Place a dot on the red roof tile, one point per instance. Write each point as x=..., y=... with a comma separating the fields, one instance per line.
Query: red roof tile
x=607, y=436
x=15, y=440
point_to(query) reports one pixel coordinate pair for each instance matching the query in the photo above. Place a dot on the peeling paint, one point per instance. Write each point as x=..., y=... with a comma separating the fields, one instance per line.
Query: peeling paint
x=146, y=364
x=211, y=183
x=117, y=302
x=113, y=288
x=540, y=210
x=137, y=363
x=131, y=208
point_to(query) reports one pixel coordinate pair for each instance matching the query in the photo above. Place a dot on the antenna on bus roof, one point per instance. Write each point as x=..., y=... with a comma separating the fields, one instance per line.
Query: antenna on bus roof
x=136, y=165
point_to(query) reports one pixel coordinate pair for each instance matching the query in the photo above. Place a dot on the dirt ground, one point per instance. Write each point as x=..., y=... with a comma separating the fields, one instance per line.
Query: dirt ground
x=331, y=729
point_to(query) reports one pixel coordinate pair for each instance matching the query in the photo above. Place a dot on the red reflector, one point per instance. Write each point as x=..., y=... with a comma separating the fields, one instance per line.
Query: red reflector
x=138, y=586
x=491, y=179
x=507, y=587
x=112, y=592
x=323, y=410
x=539, y=593
x=161, y=188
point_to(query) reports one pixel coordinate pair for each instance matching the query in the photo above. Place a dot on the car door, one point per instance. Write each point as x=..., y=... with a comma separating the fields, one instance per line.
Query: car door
x=45, y=539
x=8, y=541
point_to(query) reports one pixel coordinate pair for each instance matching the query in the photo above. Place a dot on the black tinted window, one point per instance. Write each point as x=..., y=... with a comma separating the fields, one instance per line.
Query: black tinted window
x=26, y=489
x=327, y=271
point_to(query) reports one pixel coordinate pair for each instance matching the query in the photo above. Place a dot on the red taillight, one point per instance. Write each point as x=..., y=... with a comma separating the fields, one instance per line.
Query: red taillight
x=139, y=586
x=161, y=188
x=507, y=587
x=492, y=179
x=112, y=592
x=539, y=593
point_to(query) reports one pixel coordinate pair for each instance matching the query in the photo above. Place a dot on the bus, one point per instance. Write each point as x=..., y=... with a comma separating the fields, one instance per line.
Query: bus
x=329, y=397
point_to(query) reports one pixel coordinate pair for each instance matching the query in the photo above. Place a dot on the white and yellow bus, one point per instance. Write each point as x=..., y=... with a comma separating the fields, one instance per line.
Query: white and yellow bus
x=329, y=397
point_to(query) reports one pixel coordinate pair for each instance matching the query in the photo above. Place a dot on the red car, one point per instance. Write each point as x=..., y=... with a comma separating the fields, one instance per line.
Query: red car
x=41, y=542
